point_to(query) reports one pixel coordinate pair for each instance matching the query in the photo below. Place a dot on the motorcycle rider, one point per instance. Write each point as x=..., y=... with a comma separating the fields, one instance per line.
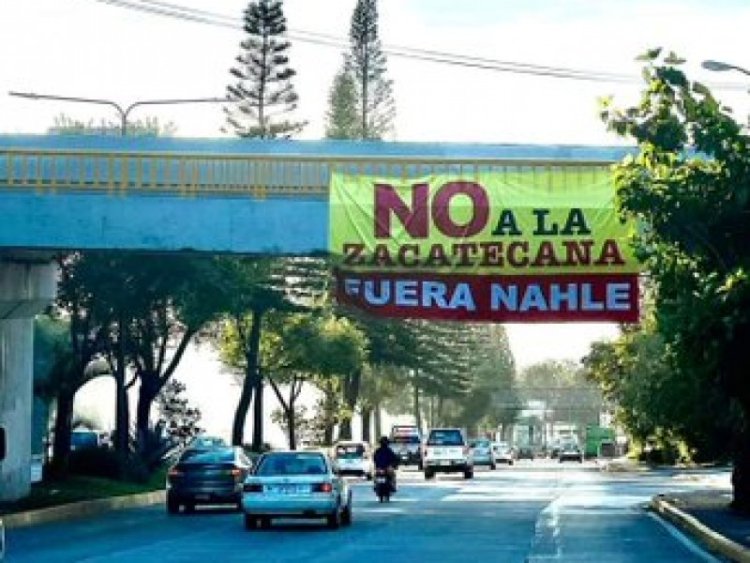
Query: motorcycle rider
x=387, y=460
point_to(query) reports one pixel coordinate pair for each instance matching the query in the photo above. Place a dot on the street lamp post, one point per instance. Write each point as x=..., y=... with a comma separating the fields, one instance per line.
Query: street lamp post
x=719, y=66
x=123, y=113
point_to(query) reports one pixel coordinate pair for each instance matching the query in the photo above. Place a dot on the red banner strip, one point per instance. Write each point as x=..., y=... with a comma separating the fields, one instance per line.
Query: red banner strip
x=521, y=299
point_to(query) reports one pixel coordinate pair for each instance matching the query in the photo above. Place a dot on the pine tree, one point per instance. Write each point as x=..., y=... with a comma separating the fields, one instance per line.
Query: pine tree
x=342, y=119
x=264, y=90
x=367, y=63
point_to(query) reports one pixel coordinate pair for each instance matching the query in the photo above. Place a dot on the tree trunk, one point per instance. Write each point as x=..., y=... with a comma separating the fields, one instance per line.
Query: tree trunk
x=249, y=385
x=378, y=422
x=240, y=413
x=417, y=408
x=122, y=416
x=258, y=414
x=366, y=423
x=329, y=417
x=352, y=384
x=291, y=421
x=122, y=408
x=345, y=429
x=63, y=429
x=147, y=392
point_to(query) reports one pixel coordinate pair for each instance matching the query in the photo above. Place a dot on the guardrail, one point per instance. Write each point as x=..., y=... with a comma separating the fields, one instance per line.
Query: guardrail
x=191, y=174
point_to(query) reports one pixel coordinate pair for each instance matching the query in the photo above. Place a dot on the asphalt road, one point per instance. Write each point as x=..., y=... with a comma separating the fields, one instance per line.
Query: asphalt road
x=533, y=512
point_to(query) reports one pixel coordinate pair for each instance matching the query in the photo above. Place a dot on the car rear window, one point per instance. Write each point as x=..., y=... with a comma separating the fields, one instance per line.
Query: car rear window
x=291, y=464
x=480, y=443
x=212, y=456
x=350, y=451
x=445, y=438
x=414, y=439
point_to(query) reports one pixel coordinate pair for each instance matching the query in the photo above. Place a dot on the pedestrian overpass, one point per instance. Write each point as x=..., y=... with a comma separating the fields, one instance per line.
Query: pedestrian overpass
x=167, y=195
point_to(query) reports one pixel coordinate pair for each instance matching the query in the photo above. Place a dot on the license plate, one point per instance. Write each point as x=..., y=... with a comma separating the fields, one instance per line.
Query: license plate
x=202, y=497
x=289, y=489
x=380, y=480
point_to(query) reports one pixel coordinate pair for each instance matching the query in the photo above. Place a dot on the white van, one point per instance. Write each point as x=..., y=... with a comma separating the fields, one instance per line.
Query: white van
x=447, y=451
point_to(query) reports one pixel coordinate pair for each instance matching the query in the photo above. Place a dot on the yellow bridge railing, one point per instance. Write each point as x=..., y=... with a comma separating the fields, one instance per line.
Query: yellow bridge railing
x=192, y=174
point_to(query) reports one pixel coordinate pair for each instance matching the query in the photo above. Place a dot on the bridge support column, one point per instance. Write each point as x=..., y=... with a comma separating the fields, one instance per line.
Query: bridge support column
x=27, y=286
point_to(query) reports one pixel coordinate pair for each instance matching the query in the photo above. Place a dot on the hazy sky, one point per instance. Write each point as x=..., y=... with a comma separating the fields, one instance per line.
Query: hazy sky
x=95, y=49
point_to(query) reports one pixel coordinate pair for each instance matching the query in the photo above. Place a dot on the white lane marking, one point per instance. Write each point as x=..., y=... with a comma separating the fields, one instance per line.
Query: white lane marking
x=691, y=546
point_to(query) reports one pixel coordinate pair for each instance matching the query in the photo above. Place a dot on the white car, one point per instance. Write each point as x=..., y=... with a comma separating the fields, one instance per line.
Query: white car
x=503, y=453
x=295, y=485
x=354, y=458
x=447, y=451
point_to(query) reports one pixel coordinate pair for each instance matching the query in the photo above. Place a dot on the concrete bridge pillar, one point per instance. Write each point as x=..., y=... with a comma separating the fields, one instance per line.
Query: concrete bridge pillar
x=27, y=286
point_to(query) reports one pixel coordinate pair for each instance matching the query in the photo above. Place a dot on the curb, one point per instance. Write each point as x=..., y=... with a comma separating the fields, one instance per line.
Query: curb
x=81, y=509
x=711, y=539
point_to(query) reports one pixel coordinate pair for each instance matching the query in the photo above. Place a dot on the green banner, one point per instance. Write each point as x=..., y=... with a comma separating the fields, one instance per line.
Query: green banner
x=509, y=222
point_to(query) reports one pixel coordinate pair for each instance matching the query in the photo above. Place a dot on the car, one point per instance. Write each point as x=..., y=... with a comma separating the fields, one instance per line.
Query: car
x=447, y=451
x=525, y=452
x=481, y=452
x=406, y=443
x=570, y=451
x=503, y=453
x=354, y=458
x=83, y=439
x=212, y=476
x=294, y=484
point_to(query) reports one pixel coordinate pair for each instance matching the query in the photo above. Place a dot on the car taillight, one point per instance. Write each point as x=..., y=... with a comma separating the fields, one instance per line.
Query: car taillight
x=323, y=488
x=235, y=472
x=175, y=473
x=252, y=488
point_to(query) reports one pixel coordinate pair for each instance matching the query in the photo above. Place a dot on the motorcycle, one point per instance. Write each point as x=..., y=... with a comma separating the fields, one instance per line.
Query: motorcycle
x=383, y=485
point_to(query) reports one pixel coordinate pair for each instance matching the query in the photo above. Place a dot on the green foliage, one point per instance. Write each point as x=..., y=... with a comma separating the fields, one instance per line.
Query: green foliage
x=53, y=355
x=367, y=64
x=563, y=388
x=342, y=118
x=177, y=418
x=657, y=404
x=689, y=187
x=147, y=127
x=264, y=89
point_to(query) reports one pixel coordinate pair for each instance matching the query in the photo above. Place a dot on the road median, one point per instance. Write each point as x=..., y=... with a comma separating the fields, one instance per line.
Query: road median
x=81, y=509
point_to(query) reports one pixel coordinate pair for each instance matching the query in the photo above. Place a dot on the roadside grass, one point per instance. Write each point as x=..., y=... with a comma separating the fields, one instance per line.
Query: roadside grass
x=78, y=488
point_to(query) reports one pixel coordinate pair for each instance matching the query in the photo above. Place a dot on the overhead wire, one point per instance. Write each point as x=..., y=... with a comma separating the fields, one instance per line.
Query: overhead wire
x=206, y=17
x=402, y=48
x=176, y=11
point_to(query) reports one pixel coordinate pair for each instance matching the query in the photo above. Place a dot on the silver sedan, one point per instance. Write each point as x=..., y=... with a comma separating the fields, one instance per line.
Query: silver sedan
x=295, y=485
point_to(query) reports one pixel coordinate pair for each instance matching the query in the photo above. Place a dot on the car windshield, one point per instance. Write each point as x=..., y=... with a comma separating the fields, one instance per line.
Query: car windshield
x=291, y=464
x=203, y=456
x=414, y=439
x=350, y=451
x=206, y=442
x=84, y=439
x=445, y=438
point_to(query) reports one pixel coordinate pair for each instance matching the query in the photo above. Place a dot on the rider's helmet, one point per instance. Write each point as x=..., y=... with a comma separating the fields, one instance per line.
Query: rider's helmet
x=384, y=441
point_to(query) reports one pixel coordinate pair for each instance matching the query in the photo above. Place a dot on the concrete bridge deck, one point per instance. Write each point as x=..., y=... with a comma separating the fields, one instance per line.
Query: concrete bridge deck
x=233, y=196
